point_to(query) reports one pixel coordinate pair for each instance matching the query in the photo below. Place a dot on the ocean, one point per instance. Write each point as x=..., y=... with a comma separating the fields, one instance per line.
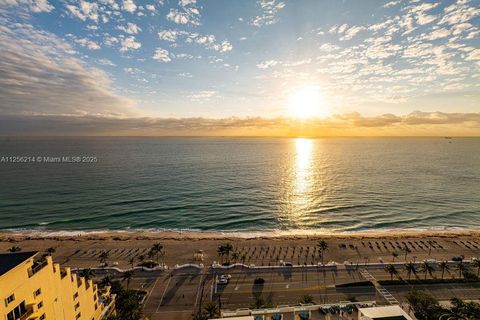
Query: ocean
x=239, y=184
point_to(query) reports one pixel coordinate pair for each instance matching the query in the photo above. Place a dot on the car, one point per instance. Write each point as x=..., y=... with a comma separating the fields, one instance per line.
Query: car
x=222, y=281
x=226, y=276
x=457, y=258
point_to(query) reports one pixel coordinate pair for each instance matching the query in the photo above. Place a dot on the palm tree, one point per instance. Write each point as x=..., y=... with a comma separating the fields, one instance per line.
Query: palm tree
x=157, y=250
x=127, y=275
x=427, y=268
x=391, y=270
x=87, y=273
x=235, y=256
x=50, y=251
x=243, y=258
x=14, y=249
x=228, y=248
x=131, y=261
x=212, y=310
x=460, y=268
x=476, y=264
x=410, y=268
x=444, y=267
x=106, y=281
x=322, y=247
x=103, y=257
x=150, y=254
x=407, y=251
x=306, y=299
x=394, y=255
x=221, y=251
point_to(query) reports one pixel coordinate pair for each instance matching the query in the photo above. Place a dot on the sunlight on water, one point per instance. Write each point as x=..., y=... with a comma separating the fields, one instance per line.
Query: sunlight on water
x=303, y=169
x=299, y=195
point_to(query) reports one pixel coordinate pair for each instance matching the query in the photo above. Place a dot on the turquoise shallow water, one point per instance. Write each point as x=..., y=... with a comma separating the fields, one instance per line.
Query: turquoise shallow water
x=242, y=184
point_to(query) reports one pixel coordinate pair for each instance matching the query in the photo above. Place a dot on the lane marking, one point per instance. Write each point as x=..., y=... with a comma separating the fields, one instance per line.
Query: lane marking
x=198, y=291
x=151, y=290
x=163, y=295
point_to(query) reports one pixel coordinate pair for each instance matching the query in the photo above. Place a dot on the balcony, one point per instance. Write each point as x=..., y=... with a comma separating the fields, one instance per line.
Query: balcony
x=36, y=267
x=28, y=312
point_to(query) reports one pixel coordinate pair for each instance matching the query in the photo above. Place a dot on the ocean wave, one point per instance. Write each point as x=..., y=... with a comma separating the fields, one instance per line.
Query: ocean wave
x=245, y=234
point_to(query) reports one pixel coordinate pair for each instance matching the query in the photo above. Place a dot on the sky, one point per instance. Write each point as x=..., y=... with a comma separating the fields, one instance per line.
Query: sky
x=217, y=67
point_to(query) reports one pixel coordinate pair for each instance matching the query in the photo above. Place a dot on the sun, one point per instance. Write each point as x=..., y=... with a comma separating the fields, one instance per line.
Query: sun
x=307, y=102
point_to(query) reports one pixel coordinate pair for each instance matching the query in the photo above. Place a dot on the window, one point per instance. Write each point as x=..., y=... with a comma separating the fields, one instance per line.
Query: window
x=75, y=296
x=40, y=305
x=42, y=317
x=77, y=305
x=37, y=292
x=78, y=316
x=17, y=312
x=9, y=299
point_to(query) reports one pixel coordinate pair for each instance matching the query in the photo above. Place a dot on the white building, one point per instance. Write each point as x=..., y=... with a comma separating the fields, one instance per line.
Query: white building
x=383, y=313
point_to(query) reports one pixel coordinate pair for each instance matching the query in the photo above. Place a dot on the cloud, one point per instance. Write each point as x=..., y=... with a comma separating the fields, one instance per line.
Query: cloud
x=84, y=42
x=350, y=33
x=473, y=55
x=222, y=47
x=162, y=55
x=184, y=3
x=208, y=40
x=35, y=6
x=391, y=4
x=129, y=6
x=459, y=12
x=39, y=76
x=168, y=35
x=85, y=10
x=345, y=32
x=202, y=96
x=270, y=9
x=415, y=123
x=185, y=75
x=186, y=15
x=129, y=43
x=183, y=56
x=267, y=64
x=150, y=7
x=438, y=34
x=131, y=28
x=106, y=62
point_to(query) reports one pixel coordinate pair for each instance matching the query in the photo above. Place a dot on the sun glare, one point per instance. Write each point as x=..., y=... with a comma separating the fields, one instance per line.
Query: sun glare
x=307, y=102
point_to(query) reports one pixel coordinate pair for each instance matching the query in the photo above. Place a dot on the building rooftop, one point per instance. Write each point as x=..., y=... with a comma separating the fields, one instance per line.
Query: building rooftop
x=10, y=260
x=385, y=313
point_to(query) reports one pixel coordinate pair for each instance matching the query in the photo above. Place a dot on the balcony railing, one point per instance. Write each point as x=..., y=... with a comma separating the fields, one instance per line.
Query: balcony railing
x=28, y=312
x=37, y=266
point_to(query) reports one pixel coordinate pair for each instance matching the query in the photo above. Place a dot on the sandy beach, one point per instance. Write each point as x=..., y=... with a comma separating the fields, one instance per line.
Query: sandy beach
x=83, y=249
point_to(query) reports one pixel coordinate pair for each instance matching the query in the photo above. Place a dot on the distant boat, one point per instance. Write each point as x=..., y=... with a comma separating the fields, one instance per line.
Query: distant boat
x=448, y=138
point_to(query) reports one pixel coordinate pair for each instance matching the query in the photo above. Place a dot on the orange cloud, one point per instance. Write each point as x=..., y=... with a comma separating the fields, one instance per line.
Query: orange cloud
x=354, y=124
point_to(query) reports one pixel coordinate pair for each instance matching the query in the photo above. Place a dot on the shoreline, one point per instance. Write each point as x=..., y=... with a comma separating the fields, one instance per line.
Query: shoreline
x=145, y=234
